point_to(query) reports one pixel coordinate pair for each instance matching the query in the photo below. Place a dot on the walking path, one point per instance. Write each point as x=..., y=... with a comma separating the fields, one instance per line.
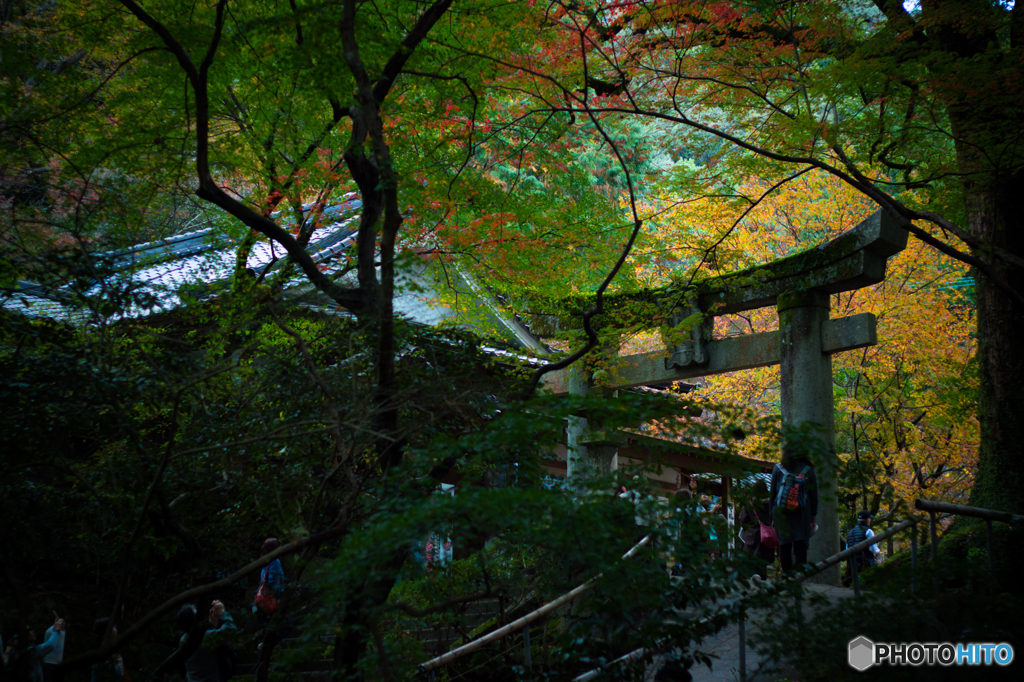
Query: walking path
x=725, y=644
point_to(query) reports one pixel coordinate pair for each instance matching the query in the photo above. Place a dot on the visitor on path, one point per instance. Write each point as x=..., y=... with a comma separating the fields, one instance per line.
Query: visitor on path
x=793, y=505
x=13, y=659
x=112, y=669
x=753, y=514
x=717, y=528
x=704, y=506
x=858, y=534
x=6, y=650
x=271, y=589
x=686, y=532
x=643, y=507
x=271, y=584
x=213, y=660
x=54, y=658
x=37, y=652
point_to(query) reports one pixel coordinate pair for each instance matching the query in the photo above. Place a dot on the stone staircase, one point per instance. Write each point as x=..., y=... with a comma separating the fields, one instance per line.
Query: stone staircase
x=436, y=640
x=283, y=660
x=440, y=638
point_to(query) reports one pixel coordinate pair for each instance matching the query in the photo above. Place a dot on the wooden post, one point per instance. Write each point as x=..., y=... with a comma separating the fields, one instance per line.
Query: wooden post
x=526, y=648
x=935, y=549
x=743, y=649
x=856, y=576
x=913, y=561
x=991, y=557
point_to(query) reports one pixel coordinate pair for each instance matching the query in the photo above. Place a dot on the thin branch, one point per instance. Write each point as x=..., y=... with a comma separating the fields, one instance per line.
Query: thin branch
x=208, y=187
x=142, y=513
x=104, y=652
x=411, y=610
x=732, y=227
x=598, y=307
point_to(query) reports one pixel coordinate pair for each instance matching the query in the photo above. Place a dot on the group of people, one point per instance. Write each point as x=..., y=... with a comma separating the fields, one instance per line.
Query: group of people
x=790, y=508
x=35, y=660
x=208, y=655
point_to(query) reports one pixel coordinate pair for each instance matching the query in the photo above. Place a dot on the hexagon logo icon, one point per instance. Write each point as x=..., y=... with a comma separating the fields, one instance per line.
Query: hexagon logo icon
x=862, y=653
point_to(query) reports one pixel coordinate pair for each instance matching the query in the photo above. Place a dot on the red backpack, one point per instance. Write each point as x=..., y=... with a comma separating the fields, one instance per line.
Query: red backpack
x=792, y=495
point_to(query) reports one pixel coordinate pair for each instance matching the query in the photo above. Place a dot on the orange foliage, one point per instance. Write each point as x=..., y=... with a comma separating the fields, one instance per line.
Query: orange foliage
x=905, y=408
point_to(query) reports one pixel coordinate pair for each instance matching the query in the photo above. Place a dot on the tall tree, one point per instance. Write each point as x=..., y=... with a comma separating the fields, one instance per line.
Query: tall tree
x=919, y=109
x=268, y=113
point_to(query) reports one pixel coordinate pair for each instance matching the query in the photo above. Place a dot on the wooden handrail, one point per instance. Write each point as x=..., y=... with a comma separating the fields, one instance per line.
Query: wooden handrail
x=470, y=647
x=923, y=505
x=728, y=604
x=963, y=510
x=859, y=547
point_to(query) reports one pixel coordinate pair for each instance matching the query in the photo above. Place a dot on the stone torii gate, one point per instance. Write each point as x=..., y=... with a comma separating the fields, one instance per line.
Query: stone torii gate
x=799, y=287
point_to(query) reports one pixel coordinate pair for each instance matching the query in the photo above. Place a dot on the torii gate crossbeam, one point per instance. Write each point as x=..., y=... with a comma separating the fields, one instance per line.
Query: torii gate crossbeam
x=799, y=287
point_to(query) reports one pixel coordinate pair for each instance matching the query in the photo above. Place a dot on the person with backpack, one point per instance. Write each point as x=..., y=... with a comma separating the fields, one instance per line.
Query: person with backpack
x=213, y=659
x=271, y=586
x=793, y=506
x=858, y=534
x=264, y=604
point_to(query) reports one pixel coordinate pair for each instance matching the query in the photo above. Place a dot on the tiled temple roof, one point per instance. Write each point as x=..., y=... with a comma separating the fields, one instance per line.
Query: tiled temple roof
x=194, y=261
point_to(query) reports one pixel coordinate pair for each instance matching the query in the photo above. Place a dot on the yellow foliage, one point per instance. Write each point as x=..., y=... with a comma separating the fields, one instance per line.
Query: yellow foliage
x=905, y=424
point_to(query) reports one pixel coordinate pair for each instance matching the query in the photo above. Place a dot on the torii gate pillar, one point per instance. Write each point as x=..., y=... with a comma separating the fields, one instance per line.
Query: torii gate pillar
x=588, y=451
x=806, y=396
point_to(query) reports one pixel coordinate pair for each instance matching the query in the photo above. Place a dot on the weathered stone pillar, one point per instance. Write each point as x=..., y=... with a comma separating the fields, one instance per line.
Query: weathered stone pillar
x=806, y=395
x=590, y=450
x=576, y=429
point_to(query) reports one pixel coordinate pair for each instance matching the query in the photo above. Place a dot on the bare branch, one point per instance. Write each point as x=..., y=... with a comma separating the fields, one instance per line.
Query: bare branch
x=178, y=600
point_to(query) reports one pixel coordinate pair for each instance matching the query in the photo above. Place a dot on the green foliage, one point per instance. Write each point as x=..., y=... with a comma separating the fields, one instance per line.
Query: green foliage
x=817, y=645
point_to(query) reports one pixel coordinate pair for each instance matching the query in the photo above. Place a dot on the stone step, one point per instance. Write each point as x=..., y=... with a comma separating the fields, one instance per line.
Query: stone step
x=324, y=665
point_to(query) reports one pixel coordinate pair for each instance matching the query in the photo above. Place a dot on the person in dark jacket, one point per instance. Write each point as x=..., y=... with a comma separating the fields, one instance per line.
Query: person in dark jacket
x=204, y=665
x=794, y=527
x=858, y=534
x=753, y=514
x=112, y=669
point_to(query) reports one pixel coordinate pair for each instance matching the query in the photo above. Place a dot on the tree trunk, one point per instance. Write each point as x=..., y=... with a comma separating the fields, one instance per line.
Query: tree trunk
x=999, y=483
x=360, y=609
x=993, y=213
x=977, y=75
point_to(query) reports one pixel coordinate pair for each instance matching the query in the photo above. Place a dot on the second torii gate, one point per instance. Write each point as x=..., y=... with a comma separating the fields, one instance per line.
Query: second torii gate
x=799, y=287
